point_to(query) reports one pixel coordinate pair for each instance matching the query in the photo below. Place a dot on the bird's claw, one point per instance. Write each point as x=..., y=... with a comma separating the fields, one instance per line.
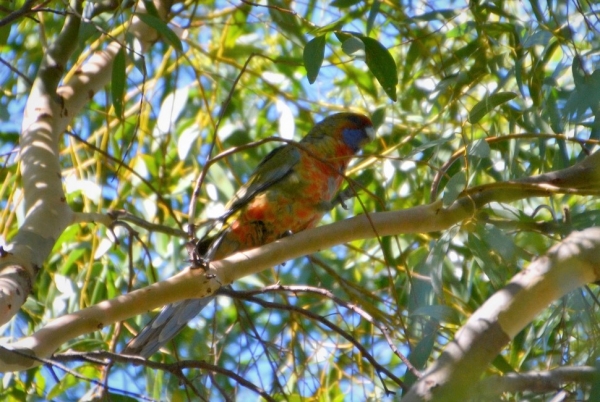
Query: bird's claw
x=196, y=258
x=201, y=263
x=287, y=233
x=344, y=196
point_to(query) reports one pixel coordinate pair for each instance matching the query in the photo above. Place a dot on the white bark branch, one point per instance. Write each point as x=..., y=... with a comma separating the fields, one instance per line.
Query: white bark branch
x=46, y=210
x=568, y=265
x=421, y=219
x=48, y=112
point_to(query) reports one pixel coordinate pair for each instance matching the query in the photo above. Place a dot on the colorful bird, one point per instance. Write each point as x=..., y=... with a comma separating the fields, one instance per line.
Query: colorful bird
x=290, y=190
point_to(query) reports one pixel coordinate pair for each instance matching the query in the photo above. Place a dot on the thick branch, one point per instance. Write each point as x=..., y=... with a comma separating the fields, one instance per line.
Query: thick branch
x=568, y=265
x=48, y=112
x=46, y=211
x=421, y=219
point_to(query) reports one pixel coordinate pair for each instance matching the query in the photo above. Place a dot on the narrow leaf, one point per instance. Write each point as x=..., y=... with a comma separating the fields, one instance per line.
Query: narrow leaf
x=488, y=104
x=578, y=72
x=4, y=32
x=344, y=3
x=439, y=313
x=382, y=65
x=372, y=15
x=118, y=81
x=162, y=29
x=151, y=8
x=480, y=148
x=352, y=45
x=334, y=26
x=378, y=117
x=314, y=53
x=455, y=186
x=437, y=15
x=342, y=36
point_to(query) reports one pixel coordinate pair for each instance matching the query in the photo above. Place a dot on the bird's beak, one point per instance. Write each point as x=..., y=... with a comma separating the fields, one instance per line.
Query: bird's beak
x=370, y=133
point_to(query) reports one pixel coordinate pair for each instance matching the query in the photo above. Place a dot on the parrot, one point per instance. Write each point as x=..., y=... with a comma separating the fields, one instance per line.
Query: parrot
x=289, y=191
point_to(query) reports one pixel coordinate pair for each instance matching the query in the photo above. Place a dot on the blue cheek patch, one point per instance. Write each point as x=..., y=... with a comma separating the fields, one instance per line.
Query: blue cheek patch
x=354, y=137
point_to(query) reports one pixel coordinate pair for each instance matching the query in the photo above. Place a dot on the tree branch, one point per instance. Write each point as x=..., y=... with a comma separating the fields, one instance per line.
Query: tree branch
x=46, y=210
x=173, y=368
x=24, y=10
x=568, y=265
x=536, y=381
x=194, y=283
x=325, y=322
x=48, y=112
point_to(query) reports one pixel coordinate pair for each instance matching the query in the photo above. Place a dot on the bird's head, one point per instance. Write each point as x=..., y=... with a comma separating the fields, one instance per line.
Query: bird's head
x=351, y=129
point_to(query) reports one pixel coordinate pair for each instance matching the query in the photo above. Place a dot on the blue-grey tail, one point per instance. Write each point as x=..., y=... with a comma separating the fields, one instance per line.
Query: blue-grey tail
x=165, y=326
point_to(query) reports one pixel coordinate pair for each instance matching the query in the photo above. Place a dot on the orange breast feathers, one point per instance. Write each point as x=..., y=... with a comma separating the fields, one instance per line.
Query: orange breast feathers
x=292, y=205
x=297, y=199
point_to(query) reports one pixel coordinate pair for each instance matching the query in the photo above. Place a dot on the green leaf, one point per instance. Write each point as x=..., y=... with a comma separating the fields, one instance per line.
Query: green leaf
x=519, y=75
x=378, y=117
x=334, y=26
x=4, y=32
x=415, y=50
x=501, y=364
x=439, y=313
x=455, y=186
x=486, y=105
x=286, y=21
x=578, y=72
x=585, y=96
x=314, y=53
x=118, y=81
x=382, y=65
x=430, y=144
x=423, y=349
x=344, y=3
x=162, y=28
x=502, y=244
x=437, y=15
x=553, y=112
x=540, y=37
x=372, y=15
x=352, y=45
x=595, y=390
x=343, y=36
x=461, y=30
x=480, y=148
x=151, y=8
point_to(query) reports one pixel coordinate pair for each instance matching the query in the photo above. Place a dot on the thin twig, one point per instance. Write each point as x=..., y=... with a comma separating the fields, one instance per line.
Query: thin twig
x=285, y=307
x=54, y=363
x=163, y=201
x=24, y=10
x=16, y=71
x=123, y=215
x=200, y=181
x=326, y=293
x=173, y=368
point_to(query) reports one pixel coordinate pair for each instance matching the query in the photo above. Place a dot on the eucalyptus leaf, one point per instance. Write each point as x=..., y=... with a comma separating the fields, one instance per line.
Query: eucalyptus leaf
x=488, y=104
x=314, y=53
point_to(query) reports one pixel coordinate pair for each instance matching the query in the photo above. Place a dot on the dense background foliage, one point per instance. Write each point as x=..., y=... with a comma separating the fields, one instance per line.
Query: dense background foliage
x=487, y=91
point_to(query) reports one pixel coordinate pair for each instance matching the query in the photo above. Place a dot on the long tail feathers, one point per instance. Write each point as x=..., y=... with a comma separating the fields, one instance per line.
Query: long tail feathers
x=172, y=319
